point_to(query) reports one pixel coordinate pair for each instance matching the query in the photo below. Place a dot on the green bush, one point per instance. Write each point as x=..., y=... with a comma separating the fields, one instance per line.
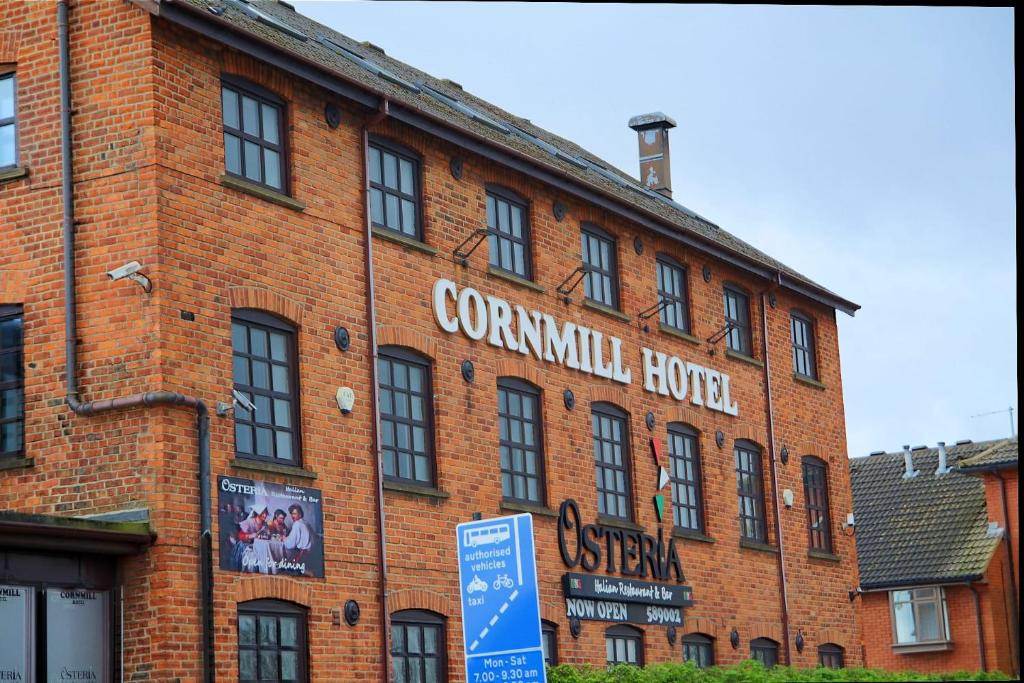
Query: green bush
x=746, y=672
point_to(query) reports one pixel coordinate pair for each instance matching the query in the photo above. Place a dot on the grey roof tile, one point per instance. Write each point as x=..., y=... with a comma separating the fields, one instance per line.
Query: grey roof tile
x=928, y=529
x=629, y=191
x=1000, y=456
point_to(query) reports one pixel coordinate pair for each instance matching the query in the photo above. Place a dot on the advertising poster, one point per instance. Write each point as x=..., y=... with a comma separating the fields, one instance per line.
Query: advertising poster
x=16, y=631
x=270, y=528
x=77, y=634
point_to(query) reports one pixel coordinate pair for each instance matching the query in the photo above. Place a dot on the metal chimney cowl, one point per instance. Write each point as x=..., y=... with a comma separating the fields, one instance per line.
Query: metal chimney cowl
x=655, y=163
x=908, y=464
x=943, y=467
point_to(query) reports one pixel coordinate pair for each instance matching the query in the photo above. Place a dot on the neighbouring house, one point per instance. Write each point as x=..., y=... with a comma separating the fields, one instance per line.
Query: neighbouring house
x=935, y=547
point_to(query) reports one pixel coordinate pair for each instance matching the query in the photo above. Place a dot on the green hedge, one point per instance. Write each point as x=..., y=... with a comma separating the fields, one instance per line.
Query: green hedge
x=747, y=671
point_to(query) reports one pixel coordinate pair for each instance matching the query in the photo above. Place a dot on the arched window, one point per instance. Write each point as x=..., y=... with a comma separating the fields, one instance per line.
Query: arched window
x=610, y=428
x=254, y=133
x=418, y=646
x=520, y=441
x=685, y=474
x=750, y=491
x=12, y=382
x=406, y=419
x=549, y=641
x=699, y=649
x=802, y=332
x=395, y=197
x=272, y=642
x=265, y=371
x=600, y=266
x=831, y=655
x=737, y=314
x=624, y=645
x=508, y=232
x=672, y=294
x=765, y=650
x=819, y=522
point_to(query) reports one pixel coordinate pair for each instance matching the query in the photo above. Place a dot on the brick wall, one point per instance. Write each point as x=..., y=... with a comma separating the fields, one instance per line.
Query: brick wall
x=149, y=157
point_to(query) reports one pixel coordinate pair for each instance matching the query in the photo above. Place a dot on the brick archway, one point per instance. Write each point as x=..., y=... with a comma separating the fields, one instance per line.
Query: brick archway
x=517, y=368
x=418, y=598
x=394, y=335
x=266, y=300
x=273, y=588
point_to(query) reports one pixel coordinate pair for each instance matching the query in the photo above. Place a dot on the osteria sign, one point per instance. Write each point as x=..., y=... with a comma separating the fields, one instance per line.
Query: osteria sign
x=533, y=333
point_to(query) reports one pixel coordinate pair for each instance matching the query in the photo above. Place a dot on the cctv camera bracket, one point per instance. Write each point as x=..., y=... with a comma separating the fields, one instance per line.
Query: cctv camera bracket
x=143, y=281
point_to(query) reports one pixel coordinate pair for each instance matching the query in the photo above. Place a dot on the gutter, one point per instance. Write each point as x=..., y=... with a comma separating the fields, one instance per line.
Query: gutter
x=371, y=323
x=781, y=558
x=148, y=399
x=220, y=30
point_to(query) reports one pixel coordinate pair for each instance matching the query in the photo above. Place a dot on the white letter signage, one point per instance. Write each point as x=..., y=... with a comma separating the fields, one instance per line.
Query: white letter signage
x=574, y=346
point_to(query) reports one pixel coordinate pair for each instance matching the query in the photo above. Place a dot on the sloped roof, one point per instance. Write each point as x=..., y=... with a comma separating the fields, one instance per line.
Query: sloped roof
x=1003, y=455
x=928, y=529
x=279, y=25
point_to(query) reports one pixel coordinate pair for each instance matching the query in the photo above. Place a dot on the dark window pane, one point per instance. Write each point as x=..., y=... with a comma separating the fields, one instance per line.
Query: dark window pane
x=405, y=417
x=600, y=281
x=253, y=136
x=611, y=463
x=271, y=642
x=750, y=491
x=737, y=315
x=263, y=371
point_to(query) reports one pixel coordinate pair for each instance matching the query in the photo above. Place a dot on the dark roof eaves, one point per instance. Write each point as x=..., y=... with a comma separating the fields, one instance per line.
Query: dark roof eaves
x=224, y=31
x=988, y=467
x=922, y=581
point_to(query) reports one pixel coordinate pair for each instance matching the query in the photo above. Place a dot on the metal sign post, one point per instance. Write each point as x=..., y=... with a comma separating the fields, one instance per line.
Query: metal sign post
x=500, y=604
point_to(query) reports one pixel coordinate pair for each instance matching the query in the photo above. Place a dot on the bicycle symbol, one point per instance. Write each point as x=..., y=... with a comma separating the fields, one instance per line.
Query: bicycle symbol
x=503, y=581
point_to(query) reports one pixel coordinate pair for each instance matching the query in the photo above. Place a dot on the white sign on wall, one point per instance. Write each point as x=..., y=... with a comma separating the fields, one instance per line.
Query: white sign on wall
x=17, y=630
x=580, y=348
x=77, y=634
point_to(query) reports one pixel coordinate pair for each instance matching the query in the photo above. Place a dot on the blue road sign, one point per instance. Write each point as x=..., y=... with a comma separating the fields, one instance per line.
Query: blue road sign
x=500, y=605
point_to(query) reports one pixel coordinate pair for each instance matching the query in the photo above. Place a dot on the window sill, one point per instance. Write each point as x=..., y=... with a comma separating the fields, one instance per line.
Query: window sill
x=13, y=173
x=688, y=535
x=618, y=523
x=16, y=463
x=516, y=506
x=760, y=547
x=736, y=355
x=515, y=279
x=415, y=489
x=404, y=240
x=675, y=332
x=272, y=468
x=914, y=648
x=262, y=192
x=822, y=555
x=607, y=310
x=809, y=381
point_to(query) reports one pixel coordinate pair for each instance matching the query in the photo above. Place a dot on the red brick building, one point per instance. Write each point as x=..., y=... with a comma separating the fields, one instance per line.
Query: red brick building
x=936, y=543
x=279, y=311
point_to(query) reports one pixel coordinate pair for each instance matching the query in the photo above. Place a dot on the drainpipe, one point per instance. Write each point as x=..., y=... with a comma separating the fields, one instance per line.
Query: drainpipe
x=148, y=399
x=784, y=596
x=371, y=323
x=977, y=623
x=1008, y=543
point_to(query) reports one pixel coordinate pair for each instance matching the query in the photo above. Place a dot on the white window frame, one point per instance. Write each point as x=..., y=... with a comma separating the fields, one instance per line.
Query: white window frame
x=918, y=596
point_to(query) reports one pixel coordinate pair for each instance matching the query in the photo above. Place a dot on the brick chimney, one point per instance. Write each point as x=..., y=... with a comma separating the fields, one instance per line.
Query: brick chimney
x=655, y=165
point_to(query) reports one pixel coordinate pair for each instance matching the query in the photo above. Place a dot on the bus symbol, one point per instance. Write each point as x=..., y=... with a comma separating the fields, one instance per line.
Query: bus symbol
x=486, y=536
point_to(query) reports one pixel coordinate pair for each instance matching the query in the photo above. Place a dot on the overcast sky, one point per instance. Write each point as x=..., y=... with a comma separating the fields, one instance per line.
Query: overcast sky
x=869, y=148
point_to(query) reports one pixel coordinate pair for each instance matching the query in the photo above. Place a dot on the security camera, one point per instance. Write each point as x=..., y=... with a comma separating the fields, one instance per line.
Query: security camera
x=124, y=271
x=131, y=271
x=240, y=399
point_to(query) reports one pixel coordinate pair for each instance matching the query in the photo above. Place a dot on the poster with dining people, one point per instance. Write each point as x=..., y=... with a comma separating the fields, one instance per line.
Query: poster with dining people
x=268, y=528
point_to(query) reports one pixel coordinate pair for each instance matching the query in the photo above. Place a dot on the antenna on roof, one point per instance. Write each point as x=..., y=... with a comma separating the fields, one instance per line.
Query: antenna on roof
x=1013, y=428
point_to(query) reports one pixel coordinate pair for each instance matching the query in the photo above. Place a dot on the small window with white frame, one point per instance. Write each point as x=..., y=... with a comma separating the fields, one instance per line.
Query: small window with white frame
x=919, y=616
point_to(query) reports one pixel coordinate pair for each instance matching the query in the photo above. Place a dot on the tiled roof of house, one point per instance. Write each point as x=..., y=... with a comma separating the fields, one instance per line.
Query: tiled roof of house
x=927, y=529
x=1000, y=456
x=368, y=67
